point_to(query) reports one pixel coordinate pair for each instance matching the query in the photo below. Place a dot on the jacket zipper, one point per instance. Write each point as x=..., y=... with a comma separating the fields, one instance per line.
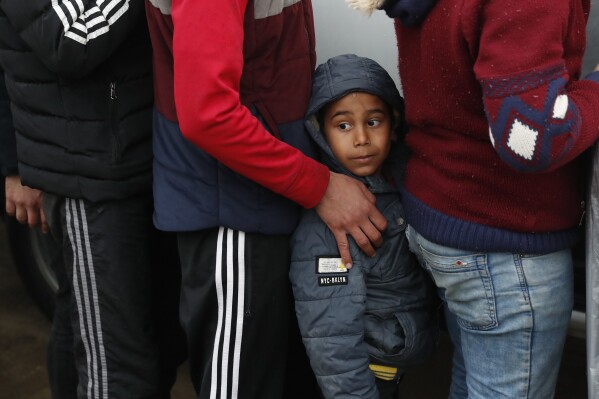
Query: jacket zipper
x=116, y=144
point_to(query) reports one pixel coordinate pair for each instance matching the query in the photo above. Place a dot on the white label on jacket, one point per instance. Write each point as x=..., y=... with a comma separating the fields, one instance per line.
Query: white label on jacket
x=330, y=265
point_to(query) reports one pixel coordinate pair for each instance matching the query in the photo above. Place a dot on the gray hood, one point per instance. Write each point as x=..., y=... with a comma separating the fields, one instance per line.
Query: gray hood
x=345, y=74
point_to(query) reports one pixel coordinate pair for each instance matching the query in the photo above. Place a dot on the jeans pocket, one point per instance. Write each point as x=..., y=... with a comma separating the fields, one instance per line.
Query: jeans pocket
x=465, y=281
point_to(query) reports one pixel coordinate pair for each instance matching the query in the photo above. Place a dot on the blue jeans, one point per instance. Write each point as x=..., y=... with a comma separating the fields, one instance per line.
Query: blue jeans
x=507, y=315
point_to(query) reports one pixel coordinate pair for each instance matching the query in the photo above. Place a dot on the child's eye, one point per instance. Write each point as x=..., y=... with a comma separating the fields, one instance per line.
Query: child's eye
x=374, y=122
x=344, y=126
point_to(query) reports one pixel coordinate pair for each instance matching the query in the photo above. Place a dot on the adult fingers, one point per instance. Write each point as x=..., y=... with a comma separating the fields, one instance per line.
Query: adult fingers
x=366, y=192
x=21, y=214
x=373, y=237
x=44, y=222
x=363, y=240
x=371, y=226
x=375, y=216
x=349, y=208
x=33, y=217
x=11, y=209
x=343, y=246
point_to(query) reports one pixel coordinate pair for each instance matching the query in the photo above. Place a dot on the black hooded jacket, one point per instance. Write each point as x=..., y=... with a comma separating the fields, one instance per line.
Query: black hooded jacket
x=80, y=85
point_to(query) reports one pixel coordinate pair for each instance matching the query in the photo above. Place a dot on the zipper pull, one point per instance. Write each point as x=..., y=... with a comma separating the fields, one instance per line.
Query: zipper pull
x=113, y=91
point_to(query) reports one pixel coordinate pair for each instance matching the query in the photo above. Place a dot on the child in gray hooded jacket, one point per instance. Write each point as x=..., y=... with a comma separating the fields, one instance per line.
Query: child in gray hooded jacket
x=362, y=327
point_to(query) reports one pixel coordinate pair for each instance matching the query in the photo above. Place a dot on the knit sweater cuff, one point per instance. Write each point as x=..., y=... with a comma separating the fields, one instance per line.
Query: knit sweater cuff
x=409, y=12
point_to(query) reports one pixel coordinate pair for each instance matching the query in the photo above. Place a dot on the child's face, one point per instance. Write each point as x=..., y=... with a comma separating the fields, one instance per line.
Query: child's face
x=358, y=128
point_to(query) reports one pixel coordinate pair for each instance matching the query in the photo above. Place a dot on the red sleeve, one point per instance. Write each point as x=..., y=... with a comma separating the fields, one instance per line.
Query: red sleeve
x=208, y=63
x=528, y=59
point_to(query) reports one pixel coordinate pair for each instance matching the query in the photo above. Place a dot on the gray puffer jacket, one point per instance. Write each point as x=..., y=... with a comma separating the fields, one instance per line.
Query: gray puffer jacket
x=380, y=311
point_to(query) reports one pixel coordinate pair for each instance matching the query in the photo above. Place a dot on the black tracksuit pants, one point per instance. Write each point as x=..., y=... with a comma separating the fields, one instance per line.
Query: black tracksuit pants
x=237, y=311
x=124, y=291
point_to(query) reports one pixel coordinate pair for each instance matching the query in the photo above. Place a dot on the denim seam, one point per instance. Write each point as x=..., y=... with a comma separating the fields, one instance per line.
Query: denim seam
x=522, y=278
x=481, y=262
x=526, y=294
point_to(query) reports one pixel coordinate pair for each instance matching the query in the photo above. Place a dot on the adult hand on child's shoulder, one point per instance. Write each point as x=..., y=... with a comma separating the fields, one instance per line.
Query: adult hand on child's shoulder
x=347, y=207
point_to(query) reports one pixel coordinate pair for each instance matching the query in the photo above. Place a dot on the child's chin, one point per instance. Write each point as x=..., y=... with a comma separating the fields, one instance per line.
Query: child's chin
x=363, y=172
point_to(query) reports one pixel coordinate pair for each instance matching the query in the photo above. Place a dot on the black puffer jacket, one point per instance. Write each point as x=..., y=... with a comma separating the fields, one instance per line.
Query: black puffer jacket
x=81, y=90
x=8, y=151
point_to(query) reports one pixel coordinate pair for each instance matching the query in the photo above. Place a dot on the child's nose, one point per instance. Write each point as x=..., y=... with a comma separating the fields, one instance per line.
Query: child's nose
x=361, y=137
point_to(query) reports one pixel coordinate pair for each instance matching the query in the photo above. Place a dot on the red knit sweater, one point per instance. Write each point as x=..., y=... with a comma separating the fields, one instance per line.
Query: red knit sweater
x=497, y=115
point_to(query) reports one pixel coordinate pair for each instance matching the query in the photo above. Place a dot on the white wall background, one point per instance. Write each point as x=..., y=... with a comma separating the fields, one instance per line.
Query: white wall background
x=340, y=30
x=591, y=58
